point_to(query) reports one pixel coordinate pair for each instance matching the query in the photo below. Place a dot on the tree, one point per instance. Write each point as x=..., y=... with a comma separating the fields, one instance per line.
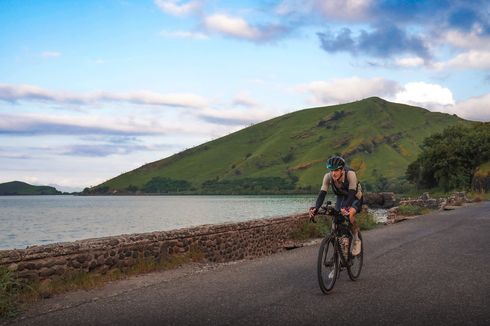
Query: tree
x=449, y=159
x=166, y=185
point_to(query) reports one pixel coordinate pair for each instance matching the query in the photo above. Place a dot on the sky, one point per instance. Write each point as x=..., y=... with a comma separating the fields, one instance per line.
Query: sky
x=95, y=88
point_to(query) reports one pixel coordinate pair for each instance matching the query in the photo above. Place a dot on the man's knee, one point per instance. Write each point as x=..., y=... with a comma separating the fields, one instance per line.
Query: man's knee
x=352, y=212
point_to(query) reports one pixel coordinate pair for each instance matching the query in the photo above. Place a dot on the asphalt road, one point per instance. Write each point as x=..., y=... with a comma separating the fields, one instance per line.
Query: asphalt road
x=432, y=270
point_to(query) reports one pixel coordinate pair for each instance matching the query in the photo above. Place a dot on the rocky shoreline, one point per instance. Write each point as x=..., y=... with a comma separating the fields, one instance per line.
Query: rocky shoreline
x=425, y=201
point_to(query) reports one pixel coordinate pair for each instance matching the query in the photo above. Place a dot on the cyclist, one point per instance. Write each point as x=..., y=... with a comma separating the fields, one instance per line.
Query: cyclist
x=349, y=194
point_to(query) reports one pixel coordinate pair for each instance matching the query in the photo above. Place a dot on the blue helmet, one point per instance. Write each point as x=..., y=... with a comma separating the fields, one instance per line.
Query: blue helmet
x=335, y=162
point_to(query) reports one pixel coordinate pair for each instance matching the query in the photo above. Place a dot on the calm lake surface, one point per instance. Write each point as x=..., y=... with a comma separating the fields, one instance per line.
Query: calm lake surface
x=30, y=220
x=37, y=220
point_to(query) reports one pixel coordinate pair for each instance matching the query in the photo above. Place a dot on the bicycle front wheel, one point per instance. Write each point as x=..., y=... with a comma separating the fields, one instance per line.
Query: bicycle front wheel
x=328, y=265
x=355, y=265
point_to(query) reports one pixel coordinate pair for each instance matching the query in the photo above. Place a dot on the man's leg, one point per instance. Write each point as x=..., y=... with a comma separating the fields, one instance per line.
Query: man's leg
x=352, y=218
x=356, y=245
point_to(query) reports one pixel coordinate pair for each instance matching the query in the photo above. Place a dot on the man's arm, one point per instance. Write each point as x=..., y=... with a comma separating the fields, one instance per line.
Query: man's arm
x=321, y=196
x=320, y=199
x=351, y=195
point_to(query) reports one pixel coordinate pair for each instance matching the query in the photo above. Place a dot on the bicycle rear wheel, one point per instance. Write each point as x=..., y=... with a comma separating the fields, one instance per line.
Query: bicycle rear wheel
x=328, y=265
x=355, y=265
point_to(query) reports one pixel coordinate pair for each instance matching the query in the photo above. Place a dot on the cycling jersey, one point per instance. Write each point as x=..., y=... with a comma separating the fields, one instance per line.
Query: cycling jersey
x=347, y=182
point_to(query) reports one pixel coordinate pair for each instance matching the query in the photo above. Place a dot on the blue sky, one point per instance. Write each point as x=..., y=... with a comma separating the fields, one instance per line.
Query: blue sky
x=90, y=89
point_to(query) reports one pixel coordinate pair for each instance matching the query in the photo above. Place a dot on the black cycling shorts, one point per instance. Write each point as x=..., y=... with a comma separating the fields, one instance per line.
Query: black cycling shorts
x=341, y=200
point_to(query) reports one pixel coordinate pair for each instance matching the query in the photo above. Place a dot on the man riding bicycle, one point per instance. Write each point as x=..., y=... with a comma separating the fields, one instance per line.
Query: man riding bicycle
x=349, y=195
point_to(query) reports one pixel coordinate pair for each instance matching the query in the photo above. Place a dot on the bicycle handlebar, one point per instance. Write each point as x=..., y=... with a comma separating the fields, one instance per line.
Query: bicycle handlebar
x=328, y=210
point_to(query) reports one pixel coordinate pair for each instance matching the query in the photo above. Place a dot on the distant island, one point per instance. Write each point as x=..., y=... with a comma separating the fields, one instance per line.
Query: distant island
x=21, y=188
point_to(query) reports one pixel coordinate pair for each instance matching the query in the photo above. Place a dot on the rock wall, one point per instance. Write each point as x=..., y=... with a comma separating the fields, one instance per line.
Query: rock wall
x=425, y=201
x=456, y=199
x=217, y=243
x=380, y=199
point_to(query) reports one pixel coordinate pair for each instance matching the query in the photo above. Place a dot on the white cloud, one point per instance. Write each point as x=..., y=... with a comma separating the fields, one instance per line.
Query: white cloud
x=184, y=34
x=474, y=49
x=287, y=7
x=33, y=93
x=65, y=124
x=440, y=99
x=178, y=7
x=350, y=10
x=473, y=59
x=345, y=90
x=93, y=125
x=50, y=54
x=237, y=117
x=238, y=27
x=344, y=9
x=431, y=96
x=152, y=98
x=245, y=100
x=473, y=40
x=409, y=62
x=475, y=108
x=348, y=89
x=232, y=26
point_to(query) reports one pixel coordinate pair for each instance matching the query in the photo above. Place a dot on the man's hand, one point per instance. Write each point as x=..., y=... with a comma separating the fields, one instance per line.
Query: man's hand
x=312, y=212
x=345, y=211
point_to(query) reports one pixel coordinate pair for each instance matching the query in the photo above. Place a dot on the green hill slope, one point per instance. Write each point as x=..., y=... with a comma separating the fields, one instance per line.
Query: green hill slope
x=22, y=188
x=287, y=153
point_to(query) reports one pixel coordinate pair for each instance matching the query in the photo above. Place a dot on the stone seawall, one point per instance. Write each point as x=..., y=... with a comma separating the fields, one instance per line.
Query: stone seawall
x=217, y=243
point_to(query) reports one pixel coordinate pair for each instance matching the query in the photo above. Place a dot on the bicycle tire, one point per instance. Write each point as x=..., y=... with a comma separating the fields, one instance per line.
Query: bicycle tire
x=327, y=266
x=355, y=264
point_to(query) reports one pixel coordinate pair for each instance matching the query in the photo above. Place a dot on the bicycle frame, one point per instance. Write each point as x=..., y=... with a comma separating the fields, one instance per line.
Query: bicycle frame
x=338, y=230
x=342, y=257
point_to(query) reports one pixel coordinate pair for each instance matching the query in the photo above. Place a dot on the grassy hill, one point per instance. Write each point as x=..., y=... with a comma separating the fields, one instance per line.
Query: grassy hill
x=22, y=188
x=287, y=154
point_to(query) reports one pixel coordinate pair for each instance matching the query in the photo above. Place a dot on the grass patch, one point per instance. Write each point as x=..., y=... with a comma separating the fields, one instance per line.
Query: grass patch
x=12, y=293
x=9, y=288
x=309, y=230
x=478, y=196
x=366, y=221
x=411, y=210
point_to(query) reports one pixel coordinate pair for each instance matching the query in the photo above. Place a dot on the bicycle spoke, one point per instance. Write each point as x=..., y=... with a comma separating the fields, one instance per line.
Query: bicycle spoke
x=327, y=265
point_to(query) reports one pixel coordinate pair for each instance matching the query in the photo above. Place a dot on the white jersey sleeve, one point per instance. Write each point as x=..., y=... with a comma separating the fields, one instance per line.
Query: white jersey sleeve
x=327, y=179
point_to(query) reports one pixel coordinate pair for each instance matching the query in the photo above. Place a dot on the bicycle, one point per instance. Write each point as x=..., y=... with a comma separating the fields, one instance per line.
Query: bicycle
x=335, y=251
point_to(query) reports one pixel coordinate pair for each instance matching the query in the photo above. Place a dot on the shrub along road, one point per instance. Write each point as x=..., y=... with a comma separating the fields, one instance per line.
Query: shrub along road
x=432, y=270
